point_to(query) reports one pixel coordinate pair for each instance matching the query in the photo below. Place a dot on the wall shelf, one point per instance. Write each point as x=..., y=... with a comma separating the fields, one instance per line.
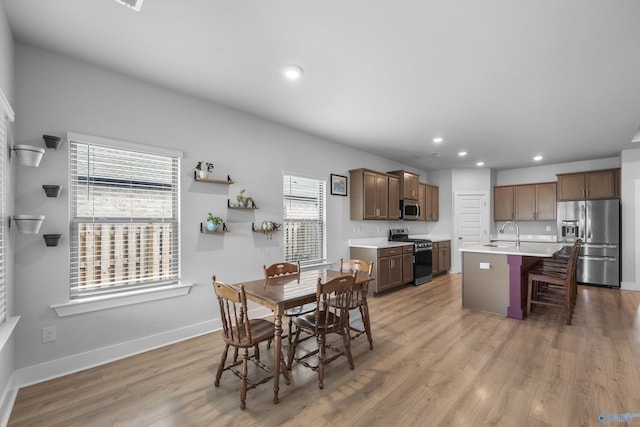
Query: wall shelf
x=251, y=208
x=227, y=181
x=268, y=233
x=220, y=230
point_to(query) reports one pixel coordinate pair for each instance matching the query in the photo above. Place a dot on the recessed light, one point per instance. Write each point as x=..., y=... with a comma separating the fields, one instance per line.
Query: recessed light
x=480, y=164
x=131, y=4
x=292, y=72
x=437, y=140
x=462, y=153
x=537, y=158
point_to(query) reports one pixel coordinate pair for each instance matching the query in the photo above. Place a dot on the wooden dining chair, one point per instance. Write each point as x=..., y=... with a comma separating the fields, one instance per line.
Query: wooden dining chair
x=240, y=332
x=285, y=269
x=554, y=284
x=331, y=316
x=359, y=299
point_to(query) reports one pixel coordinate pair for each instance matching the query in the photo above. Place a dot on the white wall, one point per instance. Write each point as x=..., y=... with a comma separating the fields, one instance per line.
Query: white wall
x=57, y=94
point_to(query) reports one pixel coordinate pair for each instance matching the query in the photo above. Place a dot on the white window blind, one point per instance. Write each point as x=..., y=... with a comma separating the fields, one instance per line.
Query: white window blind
x=124, y=219
x=304, y=219
x=3, y=214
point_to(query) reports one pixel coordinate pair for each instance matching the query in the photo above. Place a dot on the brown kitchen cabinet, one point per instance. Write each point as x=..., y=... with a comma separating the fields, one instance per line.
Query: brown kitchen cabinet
x=441, y=257
x=369, y=198
x=422, y=201
x=600, y=184
x=394, y=197
x=525, y=202
x=432, y=199
x=407, y=264
x=535, y=201
x=391, y=265
x=409, y=184
x=503, y=203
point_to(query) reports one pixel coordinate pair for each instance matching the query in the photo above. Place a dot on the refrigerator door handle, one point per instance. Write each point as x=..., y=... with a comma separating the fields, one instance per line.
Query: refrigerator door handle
x=598, y=258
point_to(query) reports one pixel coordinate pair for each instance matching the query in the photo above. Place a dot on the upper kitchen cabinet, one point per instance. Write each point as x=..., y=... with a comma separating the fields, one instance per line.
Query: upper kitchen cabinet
x=394, y=197
x=432, y=199
x=369, y=198
x=422, y=201
x=527, y=202
x=535, y=201
x=503, y=203
x=409, y=184
x=602, y=184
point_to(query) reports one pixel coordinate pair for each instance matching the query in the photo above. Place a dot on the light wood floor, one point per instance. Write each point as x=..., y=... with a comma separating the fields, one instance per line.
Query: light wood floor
x=434, y=363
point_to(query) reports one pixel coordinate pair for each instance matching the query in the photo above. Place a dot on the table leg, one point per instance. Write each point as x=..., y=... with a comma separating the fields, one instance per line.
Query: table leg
x=277, y=350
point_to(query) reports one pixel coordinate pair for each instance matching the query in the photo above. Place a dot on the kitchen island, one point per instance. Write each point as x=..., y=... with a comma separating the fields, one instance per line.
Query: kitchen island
x=494, y=275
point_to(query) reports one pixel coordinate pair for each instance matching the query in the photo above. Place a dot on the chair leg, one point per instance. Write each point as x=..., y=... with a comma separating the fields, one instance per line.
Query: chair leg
x=529, y=295
x=257, y=352
x=284, y=370
x=243, y=383
x=346, y=339
x=321, y=358
x=291, y=351
x=223, y=359
x=364, y=313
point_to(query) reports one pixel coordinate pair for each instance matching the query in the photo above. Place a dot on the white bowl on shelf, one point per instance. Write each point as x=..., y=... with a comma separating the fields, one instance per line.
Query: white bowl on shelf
x=28, y=224
x=28, y=155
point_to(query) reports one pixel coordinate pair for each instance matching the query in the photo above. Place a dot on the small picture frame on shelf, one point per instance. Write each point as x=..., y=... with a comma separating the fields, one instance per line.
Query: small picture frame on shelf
x=338, y=185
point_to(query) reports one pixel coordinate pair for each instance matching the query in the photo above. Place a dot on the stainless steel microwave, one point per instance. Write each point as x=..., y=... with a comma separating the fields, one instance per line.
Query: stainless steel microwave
x=409, y=210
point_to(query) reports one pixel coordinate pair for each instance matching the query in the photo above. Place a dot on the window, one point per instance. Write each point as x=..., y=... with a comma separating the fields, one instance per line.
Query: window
x=304, y=226
x=6, y=116
x=125, y=216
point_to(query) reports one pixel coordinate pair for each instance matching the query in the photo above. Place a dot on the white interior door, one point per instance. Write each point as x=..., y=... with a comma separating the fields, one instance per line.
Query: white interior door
x=471, y=223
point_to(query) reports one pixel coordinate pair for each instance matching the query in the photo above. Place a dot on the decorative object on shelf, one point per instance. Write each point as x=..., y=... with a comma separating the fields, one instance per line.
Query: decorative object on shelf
x=223, y=229
x=51, y=141
x=204, y=169
x=28, y=155
x=28, y=224
x=250, y=205
x=213, y=222
x=267, y=227
x=227, y=181
x=52, y=239
x=244, y=202
x=52, y=190
x=338, y=185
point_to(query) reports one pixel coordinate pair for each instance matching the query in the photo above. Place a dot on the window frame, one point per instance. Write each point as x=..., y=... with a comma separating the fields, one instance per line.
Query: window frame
x=322, y=245
x=130, y=288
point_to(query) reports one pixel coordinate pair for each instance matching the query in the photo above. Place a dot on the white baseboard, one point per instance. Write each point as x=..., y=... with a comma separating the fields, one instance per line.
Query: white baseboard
x=8, y=399
x=630, y=286
x=78, y=362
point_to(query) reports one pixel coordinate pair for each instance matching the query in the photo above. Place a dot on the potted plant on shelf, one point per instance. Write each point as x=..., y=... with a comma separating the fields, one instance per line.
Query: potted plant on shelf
x=204, y=169
x=213, y=222
x=244, y=202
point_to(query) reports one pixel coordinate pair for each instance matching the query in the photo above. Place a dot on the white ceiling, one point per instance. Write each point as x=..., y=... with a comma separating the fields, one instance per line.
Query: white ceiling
x=501, y=79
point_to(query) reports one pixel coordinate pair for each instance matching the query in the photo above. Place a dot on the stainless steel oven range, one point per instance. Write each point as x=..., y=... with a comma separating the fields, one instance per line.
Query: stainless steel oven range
x=422, y=255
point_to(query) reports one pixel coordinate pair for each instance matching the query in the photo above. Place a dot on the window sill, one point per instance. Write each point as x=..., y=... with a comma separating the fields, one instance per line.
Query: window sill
x=6, y=330
x=86, y=305
x=318, y=266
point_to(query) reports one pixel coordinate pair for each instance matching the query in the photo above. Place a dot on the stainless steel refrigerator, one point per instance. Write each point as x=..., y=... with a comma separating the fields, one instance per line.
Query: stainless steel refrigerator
x=597, y=224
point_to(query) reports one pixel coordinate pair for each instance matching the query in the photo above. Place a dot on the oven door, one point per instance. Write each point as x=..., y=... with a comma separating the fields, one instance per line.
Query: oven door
x=423, y=266
x=410, y=210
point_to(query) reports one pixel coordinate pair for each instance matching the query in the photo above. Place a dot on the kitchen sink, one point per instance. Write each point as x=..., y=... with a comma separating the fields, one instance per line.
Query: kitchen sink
x=493, y=245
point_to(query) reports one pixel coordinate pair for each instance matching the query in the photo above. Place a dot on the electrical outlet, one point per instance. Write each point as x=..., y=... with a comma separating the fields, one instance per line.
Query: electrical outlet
x=548, y=228
x=48, y=334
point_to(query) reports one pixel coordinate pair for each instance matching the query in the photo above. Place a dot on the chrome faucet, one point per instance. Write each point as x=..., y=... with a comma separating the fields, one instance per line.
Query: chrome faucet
x=517, y=231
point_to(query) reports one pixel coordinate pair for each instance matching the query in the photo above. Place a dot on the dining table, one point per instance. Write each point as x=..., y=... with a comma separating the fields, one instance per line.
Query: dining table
x=282, y=293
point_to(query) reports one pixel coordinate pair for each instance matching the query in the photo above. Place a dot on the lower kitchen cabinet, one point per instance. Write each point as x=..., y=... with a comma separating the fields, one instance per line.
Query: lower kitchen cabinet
x=441, y=256
x=393, y=267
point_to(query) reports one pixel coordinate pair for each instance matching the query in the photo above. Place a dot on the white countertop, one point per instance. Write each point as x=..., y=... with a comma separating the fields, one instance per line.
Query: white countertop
x=542, y=249
x=375, y=243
